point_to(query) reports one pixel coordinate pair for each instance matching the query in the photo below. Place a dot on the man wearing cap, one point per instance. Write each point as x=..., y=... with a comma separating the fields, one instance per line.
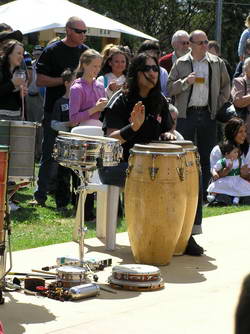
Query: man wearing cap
x=54, y=59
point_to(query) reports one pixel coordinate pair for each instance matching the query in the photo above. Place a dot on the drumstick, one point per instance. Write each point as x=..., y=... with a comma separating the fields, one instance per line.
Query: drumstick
x=31, y=275
x=99, y=138
x=22, y=96
x=43, y=272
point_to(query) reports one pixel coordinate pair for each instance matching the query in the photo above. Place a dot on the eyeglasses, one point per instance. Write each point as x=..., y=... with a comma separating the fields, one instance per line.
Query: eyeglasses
x=78, y=31
x=200, y=42
x=184, y=42
x=147, y=68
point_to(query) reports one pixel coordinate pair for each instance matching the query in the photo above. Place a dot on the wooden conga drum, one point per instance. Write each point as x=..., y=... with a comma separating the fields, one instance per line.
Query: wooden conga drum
x=155, y=201
x=3, y=184
x=191, y=183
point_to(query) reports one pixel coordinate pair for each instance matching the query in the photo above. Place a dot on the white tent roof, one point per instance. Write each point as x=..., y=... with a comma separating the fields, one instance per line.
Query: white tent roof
x=37, y=15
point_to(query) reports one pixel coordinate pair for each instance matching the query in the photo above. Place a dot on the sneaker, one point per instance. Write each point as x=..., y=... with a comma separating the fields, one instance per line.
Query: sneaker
x=193, y=248
x=34, y=202
x=236, y=201
x=210, y=198
x=13, y=206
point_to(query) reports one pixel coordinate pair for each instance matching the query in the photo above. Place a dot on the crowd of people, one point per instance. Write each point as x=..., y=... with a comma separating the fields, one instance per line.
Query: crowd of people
x=136, y=99
x=83, y=86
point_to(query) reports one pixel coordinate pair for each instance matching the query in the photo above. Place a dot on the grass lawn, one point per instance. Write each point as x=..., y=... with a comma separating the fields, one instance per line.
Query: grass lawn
x=36, y=226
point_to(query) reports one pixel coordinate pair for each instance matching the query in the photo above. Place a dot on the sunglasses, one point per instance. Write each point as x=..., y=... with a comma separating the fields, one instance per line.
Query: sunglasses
x=184, y=42
x=147, y=68
x=78, y=31
x=201, y=42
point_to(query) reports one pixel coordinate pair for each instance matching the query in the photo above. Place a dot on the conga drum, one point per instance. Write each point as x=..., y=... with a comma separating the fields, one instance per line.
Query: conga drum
x=191, y=184
x=155, y=201
x=3, y=184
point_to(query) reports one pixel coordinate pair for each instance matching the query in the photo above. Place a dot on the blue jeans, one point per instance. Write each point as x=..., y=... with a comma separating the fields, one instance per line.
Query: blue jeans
x=47, y=162
x=200, y=129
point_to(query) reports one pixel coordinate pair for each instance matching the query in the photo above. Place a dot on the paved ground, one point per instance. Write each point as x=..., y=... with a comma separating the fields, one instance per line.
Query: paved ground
x=200, y=294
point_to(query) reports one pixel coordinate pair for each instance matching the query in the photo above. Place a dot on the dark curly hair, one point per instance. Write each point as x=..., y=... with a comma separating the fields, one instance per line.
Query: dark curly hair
x=231, y=129
x=6, y=49
x=132, y=88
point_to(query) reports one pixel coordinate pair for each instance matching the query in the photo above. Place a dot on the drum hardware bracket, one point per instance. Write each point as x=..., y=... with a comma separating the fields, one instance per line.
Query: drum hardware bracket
x=152, y=172
x=128, y=170
x=180, y=172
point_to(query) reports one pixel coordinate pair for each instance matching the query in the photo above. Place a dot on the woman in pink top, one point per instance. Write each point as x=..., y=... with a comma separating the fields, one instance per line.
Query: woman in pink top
x=87, y=96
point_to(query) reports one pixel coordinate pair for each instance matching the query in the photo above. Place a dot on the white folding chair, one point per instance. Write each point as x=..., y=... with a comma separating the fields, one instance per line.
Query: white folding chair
x=107, y=197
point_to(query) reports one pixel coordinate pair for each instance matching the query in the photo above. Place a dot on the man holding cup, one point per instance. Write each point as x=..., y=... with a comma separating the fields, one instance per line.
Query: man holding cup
x=200, y=83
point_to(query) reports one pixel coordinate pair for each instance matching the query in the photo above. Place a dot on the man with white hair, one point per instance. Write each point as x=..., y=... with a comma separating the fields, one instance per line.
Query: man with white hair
x=180, y=44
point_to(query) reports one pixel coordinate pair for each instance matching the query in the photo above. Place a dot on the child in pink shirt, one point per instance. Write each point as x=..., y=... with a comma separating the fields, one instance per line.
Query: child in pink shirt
x=87, y=96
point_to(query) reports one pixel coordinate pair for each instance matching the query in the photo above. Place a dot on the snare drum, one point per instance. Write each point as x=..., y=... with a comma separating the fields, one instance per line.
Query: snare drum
x=136, y=277
x=155, y=201
x=136, y=273
x=20, y=136
x=68, y=276
x=85, y=151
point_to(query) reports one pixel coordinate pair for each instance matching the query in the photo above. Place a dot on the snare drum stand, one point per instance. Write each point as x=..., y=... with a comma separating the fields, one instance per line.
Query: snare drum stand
x=79, y=230
x=5, y=245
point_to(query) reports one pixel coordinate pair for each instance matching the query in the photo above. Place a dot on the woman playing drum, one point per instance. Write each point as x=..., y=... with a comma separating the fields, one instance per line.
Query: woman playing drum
x=139, y=114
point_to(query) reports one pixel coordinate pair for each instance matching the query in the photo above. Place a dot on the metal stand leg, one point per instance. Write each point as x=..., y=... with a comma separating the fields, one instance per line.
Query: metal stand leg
x=79, y=228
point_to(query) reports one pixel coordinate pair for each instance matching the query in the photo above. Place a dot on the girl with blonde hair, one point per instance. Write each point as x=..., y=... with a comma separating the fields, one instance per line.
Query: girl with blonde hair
x=87, y=96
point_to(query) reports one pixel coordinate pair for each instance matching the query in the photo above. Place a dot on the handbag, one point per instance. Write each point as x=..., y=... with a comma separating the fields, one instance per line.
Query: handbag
x=226, y=112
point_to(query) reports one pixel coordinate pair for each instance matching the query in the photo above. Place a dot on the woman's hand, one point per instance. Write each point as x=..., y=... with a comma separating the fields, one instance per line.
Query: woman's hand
x=101, y=104
x=137, y=116
x=18, y=82
x=113, y=86
x=167, y=136
x=23, y=90
x=72, y=124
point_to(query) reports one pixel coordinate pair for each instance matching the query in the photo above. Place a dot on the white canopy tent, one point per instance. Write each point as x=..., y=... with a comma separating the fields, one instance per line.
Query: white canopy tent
x=37, y=15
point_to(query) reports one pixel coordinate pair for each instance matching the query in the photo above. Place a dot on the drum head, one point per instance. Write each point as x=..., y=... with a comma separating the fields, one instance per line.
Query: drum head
x=157, y=148
x=136, y=272
x=188, y=145
x=136, y=269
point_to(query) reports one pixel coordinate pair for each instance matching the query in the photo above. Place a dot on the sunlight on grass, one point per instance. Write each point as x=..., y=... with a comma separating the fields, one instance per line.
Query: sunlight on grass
x=36, y=226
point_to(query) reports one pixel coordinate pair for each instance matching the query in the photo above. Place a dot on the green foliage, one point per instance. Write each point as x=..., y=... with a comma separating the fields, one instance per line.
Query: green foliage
x=161, y=18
